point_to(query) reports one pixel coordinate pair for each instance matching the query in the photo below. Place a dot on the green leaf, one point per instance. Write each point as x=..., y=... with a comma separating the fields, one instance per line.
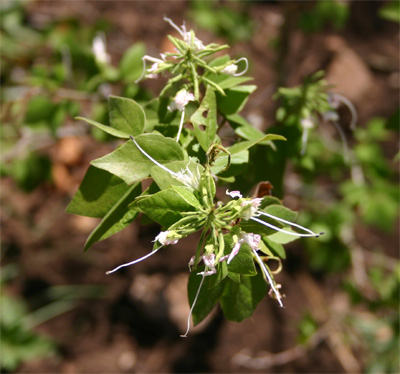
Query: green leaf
x=243, y=262
x=273, y=235
x=241, y=146
x=18, y=345
x=107, y=129
x=235, y=277
x=282, y=238
x=275, y=248
x=269, y=200
x=275, y=210
x=281, y=212
x=228, y=81
x=234, y=99
x=391, y=11
x=208, y=297
x=222, y=272
x=165, y=179
x=97, y=194
x=131, y=65
x=164, y=207
x=117, y=218
x=238, y=162
x=126, y=115
x=187, y=194
x=239, y=300
x=206, y=116
x=219, y=61
x=246, y=131
x=128, y=163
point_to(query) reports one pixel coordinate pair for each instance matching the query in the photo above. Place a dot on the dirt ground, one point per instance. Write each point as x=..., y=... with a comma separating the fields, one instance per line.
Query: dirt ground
x=135, y=325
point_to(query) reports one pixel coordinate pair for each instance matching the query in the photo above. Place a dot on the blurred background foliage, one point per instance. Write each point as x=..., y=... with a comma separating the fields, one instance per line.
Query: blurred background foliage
x=50, y=73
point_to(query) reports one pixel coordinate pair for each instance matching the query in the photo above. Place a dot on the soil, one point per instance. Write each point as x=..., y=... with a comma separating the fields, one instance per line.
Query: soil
x=135, y=325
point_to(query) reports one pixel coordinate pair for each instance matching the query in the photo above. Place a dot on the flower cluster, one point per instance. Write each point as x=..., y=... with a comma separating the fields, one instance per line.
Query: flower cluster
x=240, y=235
x=215, y=220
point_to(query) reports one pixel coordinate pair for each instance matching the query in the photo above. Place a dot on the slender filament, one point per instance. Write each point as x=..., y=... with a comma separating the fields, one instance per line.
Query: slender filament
x=193, y=305
x=282, y=230
x=181, y=125
x=134, y=262
x=289, y=223
x=269, y=278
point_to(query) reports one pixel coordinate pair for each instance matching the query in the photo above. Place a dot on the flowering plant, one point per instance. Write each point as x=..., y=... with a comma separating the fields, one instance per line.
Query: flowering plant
x=174, y=140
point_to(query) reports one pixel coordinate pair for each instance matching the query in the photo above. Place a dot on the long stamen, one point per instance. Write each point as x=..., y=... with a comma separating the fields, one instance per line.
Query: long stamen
x=350, y=106
x=245, y=69
x=289, y=223
x=193, y=305
x=174, y=26
x=134, y=262
x=268, y=276
x=143, y=72
x=181, y=125
x=144, y=59
x=175, y=175
x=284, y=231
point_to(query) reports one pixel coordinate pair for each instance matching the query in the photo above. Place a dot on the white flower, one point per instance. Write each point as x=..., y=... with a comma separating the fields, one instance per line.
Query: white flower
x=186, y=35
x=181, y=99
x=99, y=49
x=253, y=207
x=234, y=194
x=187, y=177
x=209, y=262
x=307, y=123
x=155, y=66
x=230, y=69
x=166, y=238
x=253, y=240
x=330, y=115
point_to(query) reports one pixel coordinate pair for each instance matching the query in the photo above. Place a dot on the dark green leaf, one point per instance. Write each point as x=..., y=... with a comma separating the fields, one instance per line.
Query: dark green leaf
x=222, y=272
x=239, y=300
x=235, y=99
x=117, y=218
x=97, y=194
x=208, y=297
x=243, y=262
x=276, y=248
